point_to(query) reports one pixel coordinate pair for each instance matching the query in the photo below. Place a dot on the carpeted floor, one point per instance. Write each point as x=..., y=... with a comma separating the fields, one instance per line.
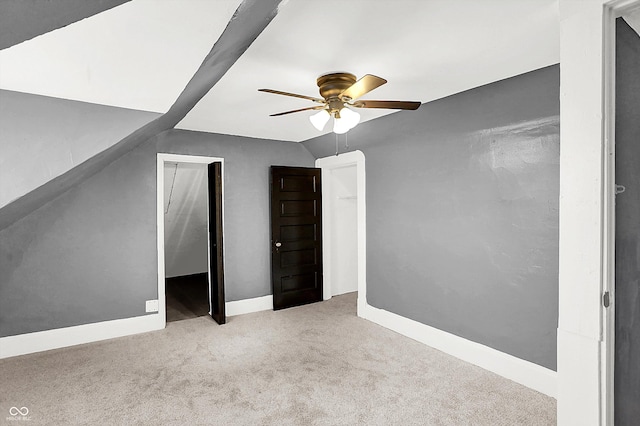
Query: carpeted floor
x=313, y=365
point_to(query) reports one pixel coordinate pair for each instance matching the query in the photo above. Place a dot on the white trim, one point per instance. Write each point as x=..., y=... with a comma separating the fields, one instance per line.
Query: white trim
x=585, y=328
x=357, y=159
x=161, y=159
x=39, y=341
x=23, y=344
x=607, y=343
x=520, y=371
x=247, y=306
x=618, y=8
x=581, y=212
x=524, y=372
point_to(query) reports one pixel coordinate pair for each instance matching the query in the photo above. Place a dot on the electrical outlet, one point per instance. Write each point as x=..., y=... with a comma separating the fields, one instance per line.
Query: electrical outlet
x=152, y=305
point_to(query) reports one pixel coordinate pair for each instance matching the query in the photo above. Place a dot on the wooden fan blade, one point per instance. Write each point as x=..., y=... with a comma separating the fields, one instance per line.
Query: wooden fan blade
x=363, y=86
x=298, y=110
x=278, y=92
x=388, y=104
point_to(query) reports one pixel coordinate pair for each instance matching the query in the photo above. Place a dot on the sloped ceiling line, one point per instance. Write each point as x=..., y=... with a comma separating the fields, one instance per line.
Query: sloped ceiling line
x=141, y=54
x=249, y=20
x=251, y=17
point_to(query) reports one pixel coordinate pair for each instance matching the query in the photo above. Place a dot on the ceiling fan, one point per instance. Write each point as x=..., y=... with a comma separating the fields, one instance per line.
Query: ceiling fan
x=340, y=91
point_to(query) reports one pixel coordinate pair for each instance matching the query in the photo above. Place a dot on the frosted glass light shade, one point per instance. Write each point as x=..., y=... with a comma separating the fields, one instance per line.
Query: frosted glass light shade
x=347, y=121
x=340, y=126
x=320, y=119
x=351, y=117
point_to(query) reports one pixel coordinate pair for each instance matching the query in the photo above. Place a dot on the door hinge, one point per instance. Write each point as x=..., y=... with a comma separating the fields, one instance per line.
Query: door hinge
x=606, y=299
x=620, y=189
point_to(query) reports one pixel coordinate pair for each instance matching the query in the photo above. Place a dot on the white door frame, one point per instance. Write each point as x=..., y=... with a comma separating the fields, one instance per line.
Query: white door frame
x=163, y=158
x=586, y=262
x=612, y=11
x=327, y=164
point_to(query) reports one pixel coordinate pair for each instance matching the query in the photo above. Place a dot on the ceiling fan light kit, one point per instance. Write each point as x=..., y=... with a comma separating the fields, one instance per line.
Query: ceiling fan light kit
x=339, y=91
x=319, y=119
x=345, y=120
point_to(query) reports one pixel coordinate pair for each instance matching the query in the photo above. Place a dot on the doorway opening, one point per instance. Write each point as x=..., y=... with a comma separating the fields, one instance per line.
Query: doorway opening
x=190, y=238
x=185, y=240
x=344, y=225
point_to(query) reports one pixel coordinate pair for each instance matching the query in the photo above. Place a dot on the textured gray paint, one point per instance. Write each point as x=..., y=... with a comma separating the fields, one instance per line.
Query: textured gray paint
x=627, y=338
x=81, y=248
x=85, y=256
x=42, y=137
x=462, y=213
x=90, y=255
x=251, y=17
x=22, y=20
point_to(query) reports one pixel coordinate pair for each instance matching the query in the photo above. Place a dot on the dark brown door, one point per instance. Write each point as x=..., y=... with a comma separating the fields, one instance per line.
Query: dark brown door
x=626, y=389
x=216, y=266
x=296, y=236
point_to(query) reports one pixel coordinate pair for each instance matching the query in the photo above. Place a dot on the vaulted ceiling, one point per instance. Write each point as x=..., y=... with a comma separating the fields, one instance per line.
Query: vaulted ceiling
x=142, y=53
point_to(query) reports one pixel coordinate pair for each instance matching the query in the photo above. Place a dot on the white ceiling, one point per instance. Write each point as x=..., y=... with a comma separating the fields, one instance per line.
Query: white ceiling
x=141, y=54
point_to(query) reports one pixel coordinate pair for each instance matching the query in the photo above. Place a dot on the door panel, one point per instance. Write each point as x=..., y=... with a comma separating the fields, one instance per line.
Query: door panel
x=216, y=266
x=627, y=265
x=296, y=231
x=297, y=282
x=298, y=208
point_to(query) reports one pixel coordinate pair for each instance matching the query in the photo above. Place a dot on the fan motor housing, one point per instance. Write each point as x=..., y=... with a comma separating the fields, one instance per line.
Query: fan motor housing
x=331, y=85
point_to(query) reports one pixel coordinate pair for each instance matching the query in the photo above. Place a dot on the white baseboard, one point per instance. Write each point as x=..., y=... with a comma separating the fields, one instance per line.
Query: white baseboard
x=39, y=341
x=247, y=306
x=524, y=372
x=23, y=344
x=579, y=381
x=520, y=371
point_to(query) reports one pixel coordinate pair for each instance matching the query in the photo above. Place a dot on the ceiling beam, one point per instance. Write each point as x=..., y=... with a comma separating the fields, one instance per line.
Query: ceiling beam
x=249, y=20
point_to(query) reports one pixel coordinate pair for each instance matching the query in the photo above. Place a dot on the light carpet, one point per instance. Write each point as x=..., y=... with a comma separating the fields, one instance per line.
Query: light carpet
x=317, y=364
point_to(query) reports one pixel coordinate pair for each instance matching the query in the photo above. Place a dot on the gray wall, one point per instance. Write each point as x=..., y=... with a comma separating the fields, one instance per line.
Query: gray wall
x=90, y=254
x=627, y=338
x=43, y=137
x=462, y=213
x=251, y=17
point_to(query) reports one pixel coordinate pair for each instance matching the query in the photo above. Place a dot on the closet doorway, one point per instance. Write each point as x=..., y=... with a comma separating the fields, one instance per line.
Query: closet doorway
x=344, y=225
x=190, y=238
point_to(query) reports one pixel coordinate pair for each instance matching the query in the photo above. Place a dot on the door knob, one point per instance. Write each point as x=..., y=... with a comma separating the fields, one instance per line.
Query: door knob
x=278, y=244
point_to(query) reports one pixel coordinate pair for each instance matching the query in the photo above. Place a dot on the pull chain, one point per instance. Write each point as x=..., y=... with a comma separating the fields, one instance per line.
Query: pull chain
x=346, y=141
